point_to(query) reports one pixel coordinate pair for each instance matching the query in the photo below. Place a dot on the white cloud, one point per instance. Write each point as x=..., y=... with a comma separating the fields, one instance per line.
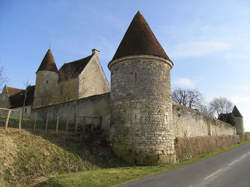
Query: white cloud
x=199, y=48
x=184, y=82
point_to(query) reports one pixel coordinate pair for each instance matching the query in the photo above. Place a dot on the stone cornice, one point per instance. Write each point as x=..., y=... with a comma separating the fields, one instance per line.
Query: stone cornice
x=168, y=62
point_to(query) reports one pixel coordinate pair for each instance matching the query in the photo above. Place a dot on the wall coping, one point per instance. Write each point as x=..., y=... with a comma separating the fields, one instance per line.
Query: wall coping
x=168, y=62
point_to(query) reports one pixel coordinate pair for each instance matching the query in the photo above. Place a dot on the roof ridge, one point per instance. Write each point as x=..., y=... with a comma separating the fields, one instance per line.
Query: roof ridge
x=76, y=60
x=73, y=69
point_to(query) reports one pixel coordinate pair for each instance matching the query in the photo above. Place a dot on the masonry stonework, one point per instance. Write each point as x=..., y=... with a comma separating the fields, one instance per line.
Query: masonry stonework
x=46, y=92
x=192, y=123
x=141, y=110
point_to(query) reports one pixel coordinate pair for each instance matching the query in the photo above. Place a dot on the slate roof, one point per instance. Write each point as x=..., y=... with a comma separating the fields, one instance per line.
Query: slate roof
x=139, y=40
x=17, y=99
x=236, y=112
x=48, y=63
x=73, y=69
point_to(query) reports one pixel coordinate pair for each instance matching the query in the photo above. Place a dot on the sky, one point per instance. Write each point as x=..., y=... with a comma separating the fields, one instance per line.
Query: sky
x=208, y=41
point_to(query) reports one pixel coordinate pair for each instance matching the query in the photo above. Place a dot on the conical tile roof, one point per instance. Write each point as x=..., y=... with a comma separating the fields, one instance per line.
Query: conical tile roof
x=48, y=63
x=236, y=112
x=139, y=40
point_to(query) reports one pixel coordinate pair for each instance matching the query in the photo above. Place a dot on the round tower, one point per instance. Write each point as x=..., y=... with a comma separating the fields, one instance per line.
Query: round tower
x=238, y=121
x=141, y=104
x=46, y=82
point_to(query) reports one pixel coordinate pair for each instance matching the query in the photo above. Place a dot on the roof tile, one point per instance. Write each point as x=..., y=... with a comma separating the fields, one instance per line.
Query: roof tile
x=139, y=40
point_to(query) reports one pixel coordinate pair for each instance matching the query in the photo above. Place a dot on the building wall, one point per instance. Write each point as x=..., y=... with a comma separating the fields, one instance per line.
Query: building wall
x=68, y=90
x=191, y=123
x=46, y=92
x=90, y=110
x=92, y=80
x=4, y=99
x=26, y=112
x=239, y=125
x=141, y=110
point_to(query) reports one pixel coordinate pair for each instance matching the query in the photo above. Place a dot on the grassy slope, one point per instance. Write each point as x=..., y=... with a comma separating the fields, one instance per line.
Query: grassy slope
x=109, y=177
x=27, y=158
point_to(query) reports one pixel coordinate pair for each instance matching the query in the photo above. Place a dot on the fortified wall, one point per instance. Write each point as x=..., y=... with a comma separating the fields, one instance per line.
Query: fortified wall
x=93, y=110
x=186, y=122
x=192, y=123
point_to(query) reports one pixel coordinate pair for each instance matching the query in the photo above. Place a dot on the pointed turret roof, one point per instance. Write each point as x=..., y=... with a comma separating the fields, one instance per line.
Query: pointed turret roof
x=139, y=40
x=236, y=112
x=48, y=63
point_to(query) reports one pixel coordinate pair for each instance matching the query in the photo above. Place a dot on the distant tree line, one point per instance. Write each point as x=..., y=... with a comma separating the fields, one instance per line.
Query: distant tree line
x=192, y=98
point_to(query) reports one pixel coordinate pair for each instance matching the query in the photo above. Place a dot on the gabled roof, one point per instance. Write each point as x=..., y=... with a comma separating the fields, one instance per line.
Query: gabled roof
x=73, y=69
x=236, y=112
x=48, y=63
x=12, y=91
x=139, y=40
x=17, y=100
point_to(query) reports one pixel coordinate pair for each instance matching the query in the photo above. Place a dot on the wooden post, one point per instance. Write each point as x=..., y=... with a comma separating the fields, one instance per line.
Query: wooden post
x=57, y=124
x=34, y=127
x=7, y=119
x=47, y=120
x=67, y=125
x=20, y=120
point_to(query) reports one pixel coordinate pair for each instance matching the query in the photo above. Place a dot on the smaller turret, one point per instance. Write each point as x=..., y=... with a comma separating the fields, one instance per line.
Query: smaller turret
x=238, y=121
x=46, y=82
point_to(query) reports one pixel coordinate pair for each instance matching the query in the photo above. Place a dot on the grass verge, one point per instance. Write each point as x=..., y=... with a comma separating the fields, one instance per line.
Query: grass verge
x=114, y=176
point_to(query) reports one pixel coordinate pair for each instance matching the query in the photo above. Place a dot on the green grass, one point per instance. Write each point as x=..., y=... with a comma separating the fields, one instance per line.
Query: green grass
x=114, y=176
x=28, y=158
x=4, y=184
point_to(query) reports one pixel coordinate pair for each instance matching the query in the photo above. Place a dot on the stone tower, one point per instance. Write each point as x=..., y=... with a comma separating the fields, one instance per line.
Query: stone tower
x=46, y=82
x=141, y=104
x=238, y=121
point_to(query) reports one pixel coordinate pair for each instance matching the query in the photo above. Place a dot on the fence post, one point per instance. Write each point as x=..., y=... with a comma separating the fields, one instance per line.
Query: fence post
x=34, y=127
x=7, y=119
x=20, y=120
x=47, y=120
x=57, y=124
x=67, y=125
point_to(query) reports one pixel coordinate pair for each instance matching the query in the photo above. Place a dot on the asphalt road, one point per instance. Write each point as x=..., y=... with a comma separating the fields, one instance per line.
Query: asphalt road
x=229, y=169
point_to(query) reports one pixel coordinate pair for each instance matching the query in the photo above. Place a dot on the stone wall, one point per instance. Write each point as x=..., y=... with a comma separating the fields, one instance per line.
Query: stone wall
x=191, y=123
x=46, y=91
x=86, y=111
x=141, y=110
x=92, y=80
x=68, y=90
x=26, y=112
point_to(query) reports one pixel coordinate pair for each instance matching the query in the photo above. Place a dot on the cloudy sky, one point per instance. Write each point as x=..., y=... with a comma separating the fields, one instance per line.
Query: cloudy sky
x=208, y=41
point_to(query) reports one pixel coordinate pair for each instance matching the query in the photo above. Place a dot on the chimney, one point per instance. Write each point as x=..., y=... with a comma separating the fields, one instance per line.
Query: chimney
x=95, y=51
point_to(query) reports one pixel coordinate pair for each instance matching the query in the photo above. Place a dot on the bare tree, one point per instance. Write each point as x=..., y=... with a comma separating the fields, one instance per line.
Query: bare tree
x=220, y=105
x=203, y=108
x=191, y=98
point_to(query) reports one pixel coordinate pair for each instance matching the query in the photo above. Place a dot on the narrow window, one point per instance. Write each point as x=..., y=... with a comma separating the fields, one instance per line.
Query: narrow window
x=47, y=81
